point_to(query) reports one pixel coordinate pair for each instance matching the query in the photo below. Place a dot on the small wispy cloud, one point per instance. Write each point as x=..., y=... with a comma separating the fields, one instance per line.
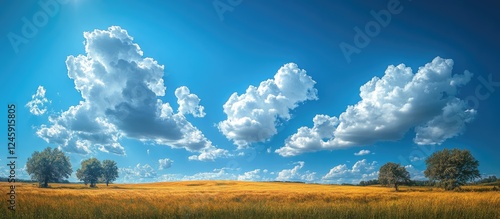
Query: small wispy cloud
x=362, y=152
x=37, y=104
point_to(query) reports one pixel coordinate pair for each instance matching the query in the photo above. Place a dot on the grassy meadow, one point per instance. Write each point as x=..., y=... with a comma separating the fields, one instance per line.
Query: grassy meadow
x=231, y=199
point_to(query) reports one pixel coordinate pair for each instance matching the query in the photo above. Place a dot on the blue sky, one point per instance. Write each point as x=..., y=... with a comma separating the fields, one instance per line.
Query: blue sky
x=309, y=91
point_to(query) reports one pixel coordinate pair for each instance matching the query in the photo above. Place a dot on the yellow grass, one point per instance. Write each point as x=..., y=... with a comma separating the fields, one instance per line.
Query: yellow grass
x=230, y=199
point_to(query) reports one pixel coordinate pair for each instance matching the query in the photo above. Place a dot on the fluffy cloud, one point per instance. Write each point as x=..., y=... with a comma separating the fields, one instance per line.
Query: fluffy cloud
x=210, y=154
x=295, y=174
x=189, y=103
x=361, y=170
x=139, y=173
x=120, y=89
x=253, y=175
x=164, y=163
x=362, y=152
x=37, y=104
x=390, y=106
x=254, y=115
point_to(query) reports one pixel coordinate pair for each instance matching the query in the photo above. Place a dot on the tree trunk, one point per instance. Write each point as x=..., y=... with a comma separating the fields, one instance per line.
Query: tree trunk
x=396, y=186
x=107, y=182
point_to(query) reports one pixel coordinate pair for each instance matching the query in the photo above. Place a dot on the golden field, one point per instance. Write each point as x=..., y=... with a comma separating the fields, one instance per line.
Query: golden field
x=231, y=199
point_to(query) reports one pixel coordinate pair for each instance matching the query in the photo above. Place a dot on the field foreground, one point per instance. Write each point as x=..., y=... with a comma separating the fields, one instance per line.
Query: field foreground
x=231, y=199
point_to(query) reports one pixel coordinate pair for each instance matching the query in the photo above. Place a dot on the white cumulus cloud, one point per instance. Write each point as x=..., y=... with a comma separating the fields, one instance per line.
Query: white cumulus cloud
x=361, y=170
x=139, y=173
x=120, y=89
x=295, y=174
x=362, y=152
x=37, y=103
x=253, y=175
x=425, y=101
x=210, y=154
x=254, y=115
x=165, y=163
x=189, y=103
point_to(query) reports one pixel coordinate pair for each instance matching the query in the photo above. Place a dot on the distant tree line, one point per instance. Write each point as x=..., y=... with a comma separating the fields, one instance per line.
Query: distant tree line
x=489, y=179
x=52, y=165
x=369, y=182
x=6, y=179
x=409, y=183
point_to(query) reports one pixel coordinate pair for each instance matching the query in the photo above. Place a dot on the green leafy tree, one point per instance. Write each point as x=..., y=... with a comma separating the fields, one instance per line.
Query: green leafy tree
x=79, y=175
x=90, y=171
x=110, y=171
x=452, y=168
x=392, y=174
x=48, y=166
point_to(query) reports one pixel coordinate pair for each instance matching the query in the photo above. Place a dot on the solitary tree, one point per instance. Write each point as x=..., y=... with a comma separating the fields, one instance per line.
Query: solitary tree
x=452, y=168
x=393, y=174
x=48, y=166
x=90, y=171
x=109, y=171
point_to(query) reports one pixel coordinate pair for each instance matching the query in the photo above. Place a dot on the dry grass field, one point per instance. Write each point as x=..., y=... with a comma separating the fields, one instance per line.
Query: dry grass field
x=230, y=199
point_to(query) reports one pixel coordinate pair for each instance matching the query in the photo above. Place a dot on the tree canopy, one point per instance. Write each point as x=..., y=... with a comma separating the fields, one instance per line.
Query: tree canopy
x=393, y=174
x=452, y=168
x=109, y=171
x=90, y=171
x=48, y=166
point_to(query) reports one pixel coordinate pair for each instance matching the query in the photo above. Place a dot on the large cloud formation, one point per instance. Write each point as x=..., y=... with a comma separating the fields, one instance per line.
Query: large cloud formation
x=390, y=106
x=254, y=115
x=120, y=90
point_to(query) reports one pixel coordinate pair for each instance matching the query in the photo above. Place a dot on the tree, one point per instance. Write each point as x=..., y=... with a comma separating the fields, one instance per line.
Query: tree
x=90, y=171
x=48, y=166
x=110, y=171
x=79, y=175
x=393, y=174
x=452, y=168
